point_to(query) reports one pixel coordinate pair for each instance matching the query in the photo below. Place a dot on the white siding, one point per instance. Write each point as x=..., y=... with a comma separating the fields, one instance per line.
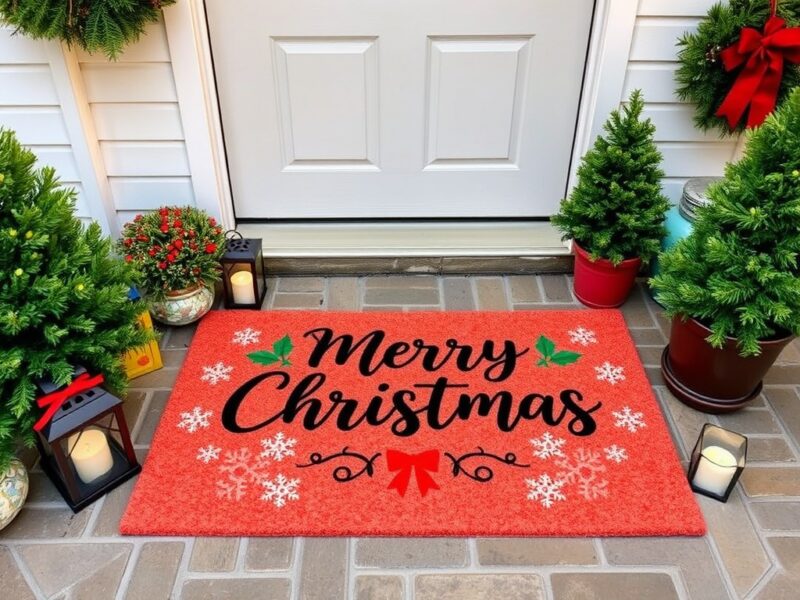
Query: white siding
x=653, y=61
x=138, y=122
x=29, y=105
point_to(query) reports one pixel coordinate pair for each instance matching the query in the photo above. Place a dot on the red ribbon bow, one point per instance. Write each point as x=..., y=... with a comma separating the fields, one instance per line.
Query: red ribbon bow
x=758, y=83
x=421, y=463
x=54, y=401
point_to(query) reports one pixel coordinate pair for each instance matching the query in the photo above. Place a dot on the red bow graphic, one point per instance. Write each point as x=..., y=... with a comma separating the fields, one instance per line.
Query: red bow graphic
x=421, y=463
x=54, y=401
x=759, y=81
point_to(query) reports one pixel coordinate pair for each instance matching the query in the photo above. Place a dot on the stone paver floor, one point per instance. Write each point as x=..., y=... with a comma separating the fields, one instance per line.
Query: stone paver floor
x=752, y=550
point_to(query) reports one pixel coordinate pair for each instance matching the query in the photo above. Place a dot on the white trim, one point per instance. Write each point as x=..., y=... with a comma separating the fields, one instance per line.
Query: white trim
x=66, y=72
x=606, y=68
x=190, y=50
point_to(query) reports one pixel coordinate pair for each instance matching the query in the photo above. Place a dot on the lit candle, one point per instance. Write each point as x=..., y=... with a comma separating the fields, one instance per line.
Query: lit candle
x=715, y=470
x=242, y=286
x=90, y=454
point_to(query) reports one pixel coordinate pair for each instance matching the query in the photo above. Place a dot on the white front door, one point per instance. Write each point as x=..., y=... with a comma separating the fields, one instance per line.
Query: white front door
x=398, y=108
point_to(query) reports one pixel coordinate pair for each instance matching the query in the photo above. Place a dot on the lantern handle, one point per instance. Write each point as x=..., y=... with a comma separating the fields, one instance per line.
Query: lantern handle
x=232, y=233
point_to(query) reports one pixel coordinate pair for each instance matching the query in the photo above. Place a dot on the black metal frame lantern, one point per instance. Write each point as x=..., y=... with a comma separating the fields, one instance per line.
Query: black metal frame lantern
x=244, y=275
x=718, y=459
x=107, y=459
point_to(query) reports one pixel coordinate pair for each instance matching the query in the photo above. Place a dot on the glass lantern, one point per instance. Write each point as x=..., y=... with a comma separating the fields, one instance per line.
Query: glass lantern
x=718, y=460
x=86, y=448
x=243, y=274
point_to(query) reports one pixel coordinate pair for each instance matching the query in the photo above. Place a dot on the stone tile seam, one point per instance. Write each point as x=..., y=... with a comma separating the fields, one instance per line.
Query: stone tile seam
x=296, y=568
x=183, y=568
x=26, y=573
x=716, y=555
x=241, y=555
x=135, y=429
x=127, y=573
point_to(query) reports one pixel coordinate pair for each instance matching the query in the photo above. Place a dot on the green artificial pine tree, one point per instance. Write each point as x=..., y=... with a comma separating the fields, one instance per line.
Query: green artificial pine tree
x=616, y=211
x=63, y=297
x=95, y=25
x=737, y=272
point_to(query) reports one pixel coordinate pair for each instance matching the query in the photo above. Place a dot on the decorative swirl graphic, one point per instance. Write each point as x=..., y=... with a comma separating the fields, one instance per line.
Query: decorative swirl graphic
x=344, y=473
x=482, y=473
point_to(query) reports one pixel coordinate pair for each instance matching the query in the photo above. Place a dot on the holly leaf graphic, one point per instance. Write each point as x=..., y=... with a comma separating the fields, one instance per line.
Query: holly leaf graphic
x=565, y=357
x=545, y=347
x=264, y=357
x=283, y=348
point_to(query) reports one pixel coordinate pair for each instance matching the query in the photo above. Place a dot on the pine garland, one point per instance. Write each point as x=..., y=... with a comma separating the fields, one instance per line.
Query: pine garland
x=95, y=25
x=616, y=211
x=63, y=297
x=738, y=271
x=701, y=77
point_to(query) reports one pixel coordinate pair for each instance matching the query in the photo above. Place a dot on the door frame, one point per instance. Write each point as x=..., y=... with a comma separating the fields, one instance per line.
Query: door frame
x=190, y=49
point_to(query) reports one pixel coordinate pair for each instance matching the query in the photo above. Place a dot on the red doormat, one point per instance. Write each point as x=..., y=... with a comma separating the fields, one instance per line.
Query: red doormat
x=458, y=424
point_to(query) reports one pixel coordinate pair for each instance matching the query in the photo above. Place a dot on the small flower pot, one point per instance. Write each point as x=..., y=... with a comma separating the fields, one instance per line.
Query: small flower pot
x=714, y=380
x=13, y=491
x=182, y=307
x=600, y=284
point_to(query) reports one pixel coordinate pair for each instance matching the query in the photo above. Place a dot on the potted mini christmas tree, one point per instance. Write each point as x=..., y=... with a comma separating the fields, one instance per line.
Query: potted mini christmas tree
x=63, y=297
x=732, y=287
x=615, y=213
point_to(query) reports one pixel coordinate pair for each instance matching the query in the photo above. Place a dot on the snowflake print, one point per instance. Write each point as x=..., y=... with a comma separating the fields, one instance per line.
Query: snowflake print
x=215, y=374
x=583, y=469
x=240, y=469
x=626, y=418
x=616, y=453
x=610, y=373
x=546, y=490
x=208, y=453
x=280, y=489
x=245, y=337
x=195, y=419
x=582, y=336
x=548, y=446
x=278, y=448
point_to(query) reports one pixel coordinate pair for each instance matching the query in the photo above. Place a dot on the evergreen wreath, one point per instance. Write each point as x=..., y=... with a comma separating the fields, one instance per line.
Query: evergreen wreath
x=701, y=77
x=63, y=295
x=95, y=25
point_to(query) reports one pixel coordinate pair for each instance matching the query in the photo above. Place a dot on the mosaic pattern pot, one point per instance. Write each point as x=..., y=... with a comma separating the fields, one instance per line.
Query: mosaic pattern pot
x=13, y=491
x=182, y=307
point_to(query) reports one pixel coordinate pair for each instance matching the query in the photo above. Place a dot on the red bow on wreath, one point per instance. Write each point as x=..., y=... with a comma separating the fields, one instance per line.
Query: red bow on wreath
x=52, y=402
x=421, y=463
x=758, y=83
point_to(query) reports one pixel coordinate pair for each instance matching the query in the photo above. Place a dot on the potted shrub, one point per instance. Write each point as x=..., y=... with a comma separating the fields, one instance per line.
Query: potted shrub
x=177, y=249
x=615, y=214
x=63, y=301
x=732, y=287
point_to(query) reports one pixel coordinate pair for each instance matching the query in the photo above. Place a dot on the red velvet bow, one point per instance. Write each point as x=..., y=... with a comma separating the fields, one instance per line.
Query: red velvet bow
x=54, y=401
x=421, y=463
x=758, y=83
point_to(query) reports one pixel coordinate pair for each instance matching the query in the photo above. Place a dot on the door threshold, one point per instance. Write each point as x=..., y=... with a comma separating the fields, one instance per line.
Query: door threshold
x=411, y=247
x=407, y=239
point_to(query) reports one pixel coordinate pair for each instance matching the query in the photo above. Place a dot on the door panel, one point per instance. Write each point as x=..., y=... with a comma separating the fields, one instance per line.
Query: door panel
x=372, y=108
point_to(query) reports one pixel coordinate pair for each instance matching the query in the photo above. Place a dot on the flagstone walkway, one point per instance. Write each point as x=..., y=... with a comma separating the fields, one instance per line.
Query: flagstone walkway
x=752, y=550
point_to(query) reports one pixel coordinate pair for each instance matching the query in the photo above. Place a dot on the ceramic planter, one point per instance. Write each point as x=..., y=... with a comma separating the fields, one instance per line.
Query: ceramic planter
x=182, y=307
x=13, y=491
x=600, y=284
x=714, y=380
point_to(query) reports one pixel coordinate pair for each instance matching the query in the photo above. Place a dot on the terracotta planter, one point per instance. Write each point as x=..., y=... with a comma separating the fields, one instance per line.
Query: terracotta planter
x=182, y=307
x=600, y=284
x=714, y=380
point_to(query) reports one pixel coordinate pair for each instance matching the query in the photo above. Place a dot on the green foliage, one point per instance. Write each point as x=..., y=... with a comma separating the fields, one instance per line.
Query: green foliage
x=95, y=25
x=616, y=210
x=174, y=248
x=63, y=297
x=547, y=349
x=738, y=272
x=280, y=353
x=703, y=80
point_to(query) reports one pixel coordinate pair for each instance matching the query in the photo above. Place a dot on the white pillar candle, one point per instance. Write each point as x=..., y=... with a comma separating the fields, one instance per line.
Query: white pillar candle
x=90, y=454
x=242, y=286
x=716, y=468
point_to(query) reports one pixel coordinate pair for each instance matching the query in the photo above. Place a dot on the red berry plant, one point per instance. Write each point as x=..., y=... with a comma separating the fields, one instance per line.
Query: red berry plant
x=175, y=248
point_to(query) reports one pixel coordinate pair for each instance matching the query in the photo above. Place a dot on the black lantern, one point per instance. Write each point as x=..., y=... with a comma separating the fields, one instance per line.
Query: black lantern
x=718, y=460
x=243, y=273
x=85, y=444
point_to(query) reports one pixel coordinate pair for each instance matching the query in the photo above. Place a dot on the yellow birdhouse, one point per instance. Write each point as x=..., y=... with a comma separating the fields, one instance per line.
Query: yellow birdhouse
x=144, y=359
